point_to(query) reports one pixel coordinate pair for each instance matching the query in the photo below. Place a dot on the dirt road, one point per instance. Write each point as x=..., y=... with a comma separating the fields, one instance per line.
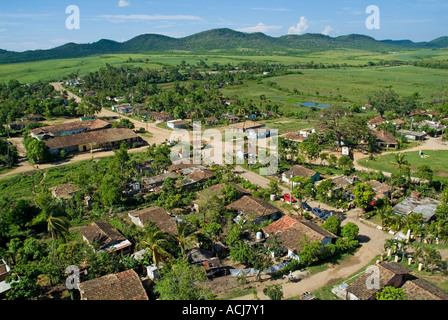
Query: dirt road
x=372, y=243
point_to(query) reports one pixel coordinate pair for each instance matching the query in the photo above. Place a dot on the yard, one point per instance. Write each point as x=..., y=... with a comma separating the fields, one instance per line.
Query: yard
x=436, y=159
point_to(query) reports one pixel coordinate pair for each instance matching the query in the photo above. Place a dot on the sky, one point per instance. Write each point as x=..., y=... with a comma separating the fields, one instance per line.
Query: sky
x=30, y=24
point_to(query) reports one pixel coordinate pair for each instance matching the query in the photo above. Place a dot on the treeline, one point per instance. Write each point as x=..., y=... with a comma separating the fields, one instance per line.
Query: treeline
x=430, y=63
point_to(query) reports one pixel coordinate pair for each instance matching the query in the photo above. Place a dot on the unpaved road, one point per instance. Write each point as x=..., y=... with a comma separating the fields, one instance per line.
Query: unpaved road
x=372, y=244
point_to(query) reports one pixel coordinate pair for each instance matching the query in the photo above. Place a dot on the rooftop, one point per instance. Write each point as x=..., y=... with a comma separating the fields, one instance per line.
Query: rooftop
x=88, y=125
x=91, y=137
x=291, y=230
x=420, y=289
x=250, y=204
x=299, y=171
x=125, y=285
x=103, y=234
x=157, y=215
x=64, y=191
x=425, y=206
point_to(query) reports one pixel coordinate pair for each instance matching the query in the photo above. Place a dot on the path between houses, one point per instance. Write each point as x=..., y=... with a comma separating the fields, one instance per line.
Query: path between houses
x=372, y=243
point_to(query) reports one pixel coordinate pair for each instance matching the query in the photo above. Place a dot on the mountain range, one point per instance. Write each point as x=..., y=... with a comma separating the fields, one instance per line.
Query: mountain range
x=221, y=41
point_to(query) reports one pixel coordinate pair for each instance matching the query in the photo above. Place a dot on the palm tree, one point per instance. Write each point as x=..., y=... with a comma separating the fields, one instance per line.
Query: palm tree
x=57, y=226
x=155, y=240
x=186, y=236
x=432, y=258
x=390, y=244
x=400, y=161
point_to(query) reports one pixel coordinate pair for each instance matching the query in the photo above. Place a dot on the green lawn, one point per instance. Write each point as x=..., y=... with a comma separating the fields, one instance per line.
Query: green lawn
x=436, y=160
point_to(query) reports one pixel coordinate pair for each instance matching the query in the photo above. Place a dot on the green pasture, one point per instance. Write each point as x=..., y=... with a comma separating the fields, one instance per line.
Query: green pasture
x=437, y=160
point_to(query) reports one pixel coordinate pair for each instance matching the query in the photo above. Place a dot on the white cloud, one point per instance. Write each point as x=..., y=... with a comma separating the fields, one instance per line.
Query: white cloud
x=123, y=3
x=301, y=27
x=327, y=30
x=261, y=27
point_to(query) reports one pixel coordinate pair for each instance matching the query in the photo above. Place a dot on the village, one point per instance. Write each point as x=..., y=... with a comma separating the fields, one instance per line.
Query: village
x=233, y=228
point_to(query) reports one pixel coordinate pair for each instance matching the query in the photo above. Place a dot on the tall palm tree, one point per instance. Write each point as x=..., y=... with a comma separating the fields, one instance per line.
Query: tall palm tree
x=186, y=236
x=155, y=240
x=57, y=226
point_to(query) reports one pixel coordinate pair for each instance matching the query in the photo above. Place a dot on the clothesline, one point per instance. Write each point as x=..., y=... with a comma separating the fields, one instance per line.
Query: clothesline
x=254, y=272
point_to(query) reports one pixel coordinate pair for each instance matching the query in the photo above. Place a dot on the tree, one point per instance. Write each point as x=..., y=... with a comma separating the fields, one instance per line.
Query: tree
x=274, y=187
x=36, y=151
x=122, y=156
x=155, y=240
x=391, y=293
x=364, y=195
x=186, y=236
x=274, y=292
x=350, y=231
x=331, y=122
x=332, y=224
x=400, y=161
x=345, y=163
x=182, y=281
x=383, y=100
x=425, y=172
x=324, y=189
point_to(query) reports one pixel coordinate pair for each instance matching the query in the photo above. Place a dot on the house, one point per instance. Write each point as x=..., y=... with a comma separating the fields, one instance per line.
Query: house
x=19, y=125
x=300, y=171
x=375, y=122
x=201, y=175
x=341, y=183
x=184, y=168
x=294, y=137
x=177, y=124
x=91, y=141
x=150, y=183
x=69, y=128
x=203, y=258
x=64, y=191
x=122, y=108
x=398, y=123
x=160, y=116
x=144, y=168
x=217, y=190
x=291, y=230
x=381, y=189
x=367, y=107
x=436, y=126
x=124, y=285
x=4, y=273
x=156, y=215
x=391, y=274
x=420, y=289
x=231, y=118
x=253, y=207
x=246, y=153
x=255, y=130
x=211, y=120
x=196, y=177
x=105, y=238
x=413, y=135
x=384, y=139
x=414, y=204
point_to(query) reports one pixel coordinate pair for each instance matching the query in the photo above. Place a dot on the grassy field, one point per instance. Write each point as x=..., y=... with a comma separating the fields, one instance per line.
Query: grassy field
x=56, y=69
x=436, y=160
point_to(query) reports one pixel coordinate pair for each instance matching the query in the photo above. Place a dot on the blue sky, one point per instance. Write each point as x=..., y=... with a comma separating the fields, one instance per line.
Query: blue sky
x=31, y=24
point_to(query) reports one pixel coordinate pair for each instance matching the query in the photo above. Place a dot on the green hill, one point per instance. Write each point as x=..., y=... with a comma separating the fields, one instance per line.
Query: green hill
x=224, y=40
